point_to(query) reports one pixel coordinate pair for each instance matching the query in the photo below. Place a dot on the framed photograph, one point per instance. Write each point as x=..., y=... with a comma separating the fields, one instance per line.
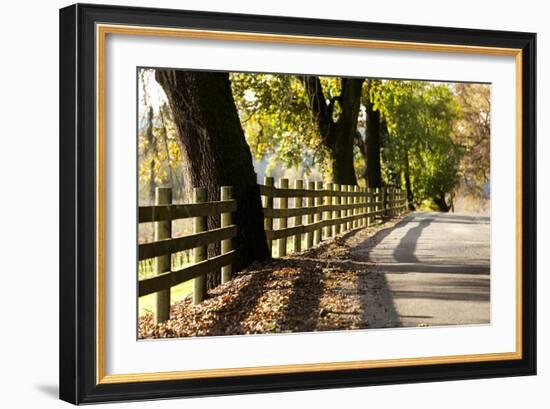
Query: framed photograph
x=259, y=203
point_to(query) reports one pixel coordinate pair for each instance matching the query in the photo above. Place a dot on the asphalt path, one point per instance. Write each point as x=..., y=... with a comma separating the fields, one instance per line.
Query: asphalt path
x=436, y=268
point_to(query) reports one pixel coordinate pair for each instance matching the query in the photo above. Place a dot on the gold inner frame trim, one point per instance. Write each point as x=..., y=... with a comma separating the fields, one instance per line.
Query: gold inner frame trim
x=101, y=33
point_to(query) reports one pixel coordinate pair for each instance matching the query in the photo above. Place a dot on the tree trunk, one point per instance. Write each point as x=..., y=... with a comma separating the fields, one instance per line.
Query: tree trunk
x=441, y=202
x=216, y=154
x=337, y=136
x=408, y=186
x=372, y=157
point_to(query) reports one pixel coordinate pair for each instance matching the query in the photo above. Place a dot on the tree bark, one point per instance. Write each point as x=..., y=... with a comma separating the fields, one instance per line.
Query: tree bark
x=408, y=186
x=372, y=157
x=216, y=154
x=441, y=202
x=337, y=136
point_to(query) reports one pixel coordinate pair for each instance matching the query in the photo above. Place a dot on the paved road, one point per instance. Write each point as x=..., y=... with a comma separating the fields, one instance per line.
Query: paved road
x=436, y=267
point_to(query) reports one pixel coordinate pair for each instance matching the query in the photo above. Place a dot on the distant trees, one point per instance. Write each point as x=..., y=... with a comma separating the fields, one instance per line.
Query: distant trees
x=159, y=150
x=275, y=116
x=421, y=119
x=473, y=133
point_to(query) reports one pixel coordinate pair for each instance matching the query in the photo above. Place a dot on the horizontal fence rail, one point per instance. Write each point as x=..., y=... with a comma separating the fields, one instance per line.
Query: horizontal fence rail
x=295, y=219
x=184, y=211
x=169, y=246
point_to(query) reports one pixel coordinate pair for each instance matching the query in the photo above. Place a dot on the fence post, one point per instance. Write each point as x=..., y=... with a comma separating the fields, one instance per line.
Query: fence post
x=377, y=202
x=369, y=206
x=359, y=210
x=199, y=253
x=363, y=209
x=396, y=201
x=388, y=202
x=309, y=218
x=349, y=201
x=398, y=209
x=344, y=212
x=268, y=221
x=336, y=213
x=355, y=209
x=298, y=184
x=162, y=264
x=317, y=234
x=328, y=213
x=226, y=219
x=393, y=202
x=283, y=204
x=384, y=202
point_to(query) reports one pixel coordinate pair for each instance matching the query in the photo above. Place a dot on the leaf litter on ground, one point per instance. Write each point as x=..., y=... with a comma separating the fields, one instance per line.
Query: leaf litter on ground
x=332, y=286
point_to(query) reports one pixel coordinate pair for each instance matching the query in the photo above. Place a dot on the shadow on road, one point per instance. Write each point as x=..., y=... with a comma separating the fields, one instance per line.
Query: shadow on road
x=405, y=250
x=477, y=295
x=410, y=266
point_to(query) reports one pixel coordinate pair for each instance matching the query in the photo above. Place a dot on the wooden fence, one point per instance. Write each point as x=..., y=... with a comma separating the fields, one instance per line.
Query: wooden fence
x=319, y=211
x=162, y=214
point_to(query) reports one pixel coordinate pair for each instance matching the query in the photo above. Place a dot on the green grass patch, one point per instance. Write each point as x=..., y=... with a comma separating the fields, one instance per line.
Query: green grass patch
x=178, y=293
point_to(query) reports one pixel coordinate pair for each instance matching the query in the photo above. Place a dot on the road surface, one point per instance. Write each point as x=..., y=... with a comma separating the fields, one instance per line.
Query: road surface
x=436, y=268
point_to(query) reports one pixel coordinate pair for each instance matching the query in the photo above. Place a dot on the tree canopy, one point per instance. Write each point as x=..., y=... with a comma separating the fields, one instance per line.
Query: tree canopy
x=420, y=150
x=430, y=138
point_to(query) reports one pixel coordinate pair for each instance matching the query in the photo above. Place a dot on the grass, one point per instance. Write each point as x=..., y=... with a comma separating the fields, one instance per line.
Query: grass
x=179, y=292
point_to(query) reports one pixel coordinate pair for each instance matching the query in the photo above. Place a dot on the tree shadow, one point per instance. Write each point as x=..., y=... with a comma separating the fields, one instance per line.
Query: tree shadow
x=356, y=281
x=405, y=250
x=410, y=266
x=302, y=311
x=442, y=296
x=240, y=306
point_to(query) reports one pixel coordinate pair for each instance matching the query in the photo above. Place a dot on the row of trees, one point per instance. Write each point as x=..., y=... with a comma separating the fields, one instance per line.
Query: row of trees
x=364, y=131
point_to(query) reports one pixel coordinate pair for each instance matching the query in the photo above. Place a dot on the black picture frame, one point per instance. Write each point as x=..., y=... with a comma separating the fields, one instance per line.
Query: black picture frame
x=78, y=258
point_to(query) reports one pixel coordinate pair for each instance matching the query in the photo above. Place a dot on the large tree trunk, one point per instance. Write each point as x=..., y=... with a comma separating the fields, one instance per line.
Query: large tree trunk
x=408, y=186
x=337, y=136
x=373, y=172
x=216, y=154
